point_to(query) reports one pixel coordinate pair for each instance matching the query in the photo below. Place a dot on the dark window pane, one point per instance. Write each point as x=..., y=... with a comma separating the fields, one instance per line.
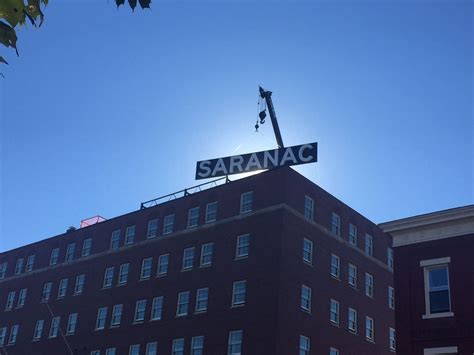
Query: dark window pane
x=439, y=301
x=438, y=277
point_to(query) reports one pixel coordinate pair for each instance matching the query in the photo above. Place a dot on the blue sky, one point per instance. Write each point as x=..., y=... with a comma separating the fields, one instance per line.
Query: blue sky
x=104, y=108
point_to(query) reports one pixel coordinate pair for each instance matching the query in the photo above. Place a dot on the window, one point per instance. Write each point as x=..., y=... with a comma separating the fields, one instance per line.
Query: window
x=19, y=266
x=140, y=308
x=3, y=334
x=79, y=287
x=197, y=345
x=335, y=224
x=211, y=212
x=188, y=258
x=333, y=351
x=352, y=320
x=46, y=291
x=369, y=285
x=168, y=224
x=38, y=330
x=110, y=351
x=308, y=208
x=304, y=345
x=95, y=352
x=243, y=242
x=307, y=251
x=305, y=298
x=134, y=349
x=178, y=347
x=202, y=296
x=352, y=234
x=151, y=348
x=392, y=341
x=3, y=269
x=163, y=262
x=130, y=235
x=13, y=334
x=10, y=300
x=21, y=298
x=115, y=240
x=101, y=318
x=335, y=266
x=116, y=315
x=152, y=230
x=391, y=297
x=437, y=294
x=238, y=293
x=53, y=260
x=193, y=217
x=369, y=248
x=235, y=343
x=246, y=202
x=390, y=258
x=183, y=303
x=71, y=323
x=352, y=276
x=70, y=252
x=86, y=247
x=334, y=312
x=29, y=263
x=146, y=268
x=108, y=277
x=157, y=308
x=206, y=254
x=123, y=274
x=54, y=328
x=62, y=289
x=369, y=328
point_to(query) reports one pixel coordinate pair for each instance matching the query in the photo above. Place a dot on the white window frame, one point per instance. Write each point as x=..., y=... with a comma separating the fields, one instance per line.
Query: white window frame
x=390, y=258
x=369, y=244
x=116, y=317
x=79, y=284
x=62, y=288
x=3, y=335
x=428, y=265
x=70, y=250
x=157, y=308
x=437, y=351
x=334, y=311
x=352, y=279
x=163, y=262
x=19, y=266
x=54, y=328
x=177, y=347
x=369, y=285
x=21, y=298
x=308, y=208
x=110, y=351
x=115, y=239
x=123, y=274
x=197, y=345
x=71, y=323
x=207, y=251
x=3, y=269
x=352, y=234
x=202, y=299
x=54, y=258
x=38, y=332
x=335, y=266
x=193, y=217
x=246, y=202
x=10, y=300
x=352, y=324
x=333, y=351
x=306, y=252
x=168, y=224
x=46, y=294
x=147, y=267
x=305, y=302
x=392, y=339
x=391, y=297
x=30, y=263
x=235, y=340
x=242, y=245
x=188, y=259
x=151, y=348
x=86, y=247
x=134, y=349
x=182, y=307
x=108, y=277
x=140, y=311
x=101, y=318
x=369, y=331
x=130, y=235
x=239, y=290
x=304, y=346
x=13, y=334
x=211, y=215
x=335, y=224
x=152, y=229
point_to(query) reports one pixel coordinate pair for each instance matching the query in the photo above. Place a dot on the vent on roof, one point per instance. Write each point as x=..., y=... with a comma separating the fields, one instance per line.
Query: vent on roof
x=71, y=229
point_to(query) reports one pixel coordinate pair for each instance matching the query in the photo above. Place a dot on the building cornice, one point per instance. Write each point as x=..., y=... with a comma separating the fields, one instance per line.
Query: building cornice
x=431, y=226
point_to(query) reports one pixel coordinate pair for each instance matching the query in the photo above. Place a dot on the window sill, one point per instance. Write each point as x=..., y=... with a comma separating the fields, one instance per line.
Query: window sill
x=205, y=266
x=334, y=324
x=201, y=312
x=337, y=278
x=181, y=315
x=237, y=258
x=238, y=305
x=438, y=315
x=114, y=326
x=162, y=275
x=308, y=311
x=353, y=332
x=370, y=340
x=138, y=322
x=155, y=319
x=309, y=263
x=144, y=278
x=121, y=284
x=187, y=269
x=106, y=287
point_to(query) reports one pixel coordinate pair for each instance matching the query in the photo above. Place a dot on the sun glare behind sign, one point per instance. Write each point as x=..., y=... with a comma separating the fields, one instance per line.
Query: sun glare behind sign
x=268, y=159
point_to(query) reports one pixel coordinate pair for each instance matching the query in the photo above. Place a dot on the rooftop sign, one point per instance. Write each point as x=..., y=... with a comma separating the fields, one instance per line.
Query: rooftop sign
x=268, y=159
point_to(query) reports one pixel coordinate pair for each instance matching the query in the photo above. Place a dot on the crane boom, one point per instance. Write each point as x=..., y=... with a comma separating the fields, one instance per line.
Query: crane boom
x=267, y=95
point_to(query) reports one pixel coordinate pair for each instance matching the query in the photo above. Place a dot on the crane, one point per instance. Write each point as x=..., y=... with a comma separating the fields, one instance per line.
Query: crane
x=267, y=96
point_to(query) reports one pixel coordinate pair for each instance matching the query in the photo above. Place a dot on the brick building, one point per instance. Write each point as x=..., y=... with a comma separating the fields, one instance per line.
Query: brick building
x=269, y=264
x=434, y=281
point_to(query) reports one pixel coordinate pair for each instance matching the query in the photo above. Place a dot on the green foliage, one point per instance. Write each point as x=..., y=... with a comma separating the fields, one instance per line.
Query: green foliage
x=15, y=13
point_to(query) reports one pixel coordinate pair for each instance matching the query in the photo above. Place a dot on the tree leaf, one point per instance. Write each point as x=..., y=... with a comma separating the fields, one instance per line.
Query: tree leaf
x=33, y=11
x=145, y=4
x=2, y=60
x=12, y=11
x=119, y=2
x=133, y=4
x=8, y=36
